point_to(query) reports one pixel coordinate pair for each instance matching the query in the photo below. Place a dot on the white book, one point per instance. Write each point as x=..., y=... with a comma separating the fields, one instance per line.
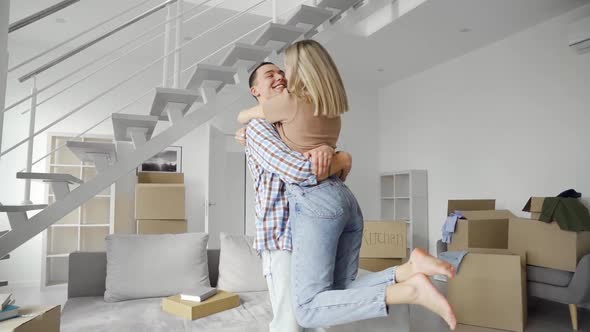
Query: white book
x=9, y=312
x=198, y=294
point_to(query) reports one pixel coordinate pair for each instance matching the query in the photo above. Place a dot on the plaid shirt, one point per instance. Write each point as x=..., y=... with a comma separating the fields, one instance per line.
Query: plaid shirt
x=273, y=164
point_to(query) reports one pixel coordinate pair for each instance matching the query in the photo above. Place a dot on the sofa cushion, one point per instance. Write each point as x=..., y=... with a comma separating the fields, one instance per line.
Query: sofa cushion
x=240, y=267
x=549, y=276
x=142, y=266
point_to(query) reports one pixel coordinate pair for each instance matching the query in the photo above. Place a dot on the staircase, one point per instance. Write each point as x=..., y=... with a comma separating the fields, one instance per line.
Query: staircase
x=183, y=109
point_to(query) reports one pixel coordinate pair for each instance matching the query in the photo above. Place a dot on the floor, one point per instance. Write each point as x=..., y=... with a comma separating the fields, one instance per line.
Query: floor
x=544, y=316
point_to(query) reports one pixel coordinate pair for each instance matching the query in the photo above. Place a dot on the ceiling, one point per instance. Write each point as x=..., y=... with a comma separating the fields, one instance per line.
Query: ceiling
x=85, y=14
x=422, y=38
x=431, y=34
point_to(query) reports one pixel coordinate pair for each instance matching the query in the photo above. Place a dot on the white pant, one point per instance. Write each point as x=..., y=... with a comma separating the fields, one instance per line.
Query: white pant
x=276, y=266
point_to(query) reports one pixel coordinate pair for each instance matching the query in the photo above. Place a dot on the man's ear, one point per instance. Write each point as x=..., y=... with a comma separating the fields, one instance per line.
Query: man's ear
x=254, y=92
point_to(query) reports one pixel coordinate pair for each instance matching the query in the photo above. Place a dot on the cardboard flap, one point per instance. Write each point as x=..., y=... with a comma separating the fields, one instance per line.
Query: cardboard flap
x=534, y=204
x=487, y=214
x=488, y=233
x=499, y=252
x=158, y=186
x=470, y=205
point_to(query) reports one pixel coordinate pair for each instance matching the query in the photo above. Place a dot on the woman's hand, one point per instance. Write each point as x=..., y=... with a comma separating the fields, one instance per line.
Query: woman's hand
x=241, y=136
x=347, y=165
x=321, y=160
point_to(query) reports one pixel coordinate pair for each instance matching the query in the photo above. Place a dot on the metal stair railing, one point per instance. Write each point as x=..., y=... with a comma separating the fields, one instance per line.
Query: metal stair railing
x=82, y=33
x=94, y=41
x=176, y=51
x=92, y=62
x=40, y=15
x=146, y=92
x=108, y=64
x=143, y=69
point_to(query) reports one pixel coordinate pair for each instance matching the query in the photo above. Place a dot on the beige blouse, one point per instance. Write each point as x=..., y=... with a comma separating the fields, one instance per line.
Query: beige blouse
x=296, y=124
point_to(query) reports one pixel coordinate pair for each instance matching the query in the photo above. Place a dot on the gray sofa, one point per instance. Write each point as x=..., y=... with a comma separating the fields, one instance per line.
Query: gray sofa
x=560, y=286
x=86, y=310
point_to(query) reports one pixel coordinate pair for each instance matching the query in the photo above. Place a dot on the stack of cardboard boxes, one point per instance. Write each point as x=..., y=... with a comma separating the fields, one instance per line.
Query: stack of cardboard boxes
x=384, y=245
x=160, y=203
x=489, y=289
x=545, y=244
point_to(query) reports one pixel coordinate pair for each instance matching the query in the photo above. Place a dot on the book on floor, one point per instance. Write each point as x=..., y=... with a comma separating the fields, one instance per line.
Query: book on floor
x=5, y=300
x=198, y=294
x=10, y=311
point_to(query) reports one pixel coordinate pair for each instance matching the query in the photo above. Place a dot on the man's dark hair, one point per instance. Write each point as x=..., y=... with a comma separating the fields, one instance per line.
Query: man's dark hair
x=253, y=74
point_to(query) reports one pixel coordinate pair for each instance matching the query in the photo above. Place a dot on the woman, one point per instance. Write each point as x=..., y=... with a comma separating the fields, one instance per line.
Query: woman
x=326, y=221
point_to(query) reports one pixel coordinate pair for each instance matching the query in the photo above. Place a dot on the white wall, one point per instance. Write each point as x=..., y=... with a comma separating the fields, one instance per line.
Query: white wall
x=360, y=137
x=506, y=121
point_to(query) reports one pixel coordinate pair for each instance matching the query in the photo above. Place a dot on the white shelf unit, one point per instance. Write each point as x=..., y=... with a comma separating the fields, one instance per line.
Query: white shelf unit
x=404, y=197
x=84, y=228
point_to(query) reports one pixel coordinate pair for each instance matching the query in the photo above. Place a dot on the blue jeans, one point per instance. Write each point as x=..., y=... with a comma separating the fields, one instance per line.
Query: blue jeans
x=327, y=229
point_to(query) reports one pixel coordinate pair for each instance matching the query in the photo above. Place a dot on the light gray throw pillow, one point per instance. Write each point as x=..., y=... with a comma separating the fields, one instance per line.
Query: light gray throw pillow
x=142, y=266
x=240, y=267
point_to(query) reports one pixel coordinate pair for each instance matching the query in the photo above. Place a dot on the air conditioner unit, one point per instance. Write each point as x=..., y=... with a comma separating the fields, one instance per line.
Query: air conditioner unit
x=579, y=35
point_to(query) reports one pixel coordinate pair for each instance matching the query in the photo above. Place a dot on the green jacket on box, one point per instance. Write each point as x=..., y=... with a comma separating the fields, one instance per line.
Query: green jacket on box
x=570, y=213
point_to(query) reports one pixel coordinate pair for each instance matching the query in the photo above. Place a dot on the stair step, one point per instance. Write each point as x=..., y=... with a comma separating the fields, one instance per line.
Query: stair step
x=203, y=73
x=279, y=33
x=170, y=95
x=123, y=122
x=3, y=283
x=310, y=15
x=3, y=232
x=5, y=257
x=49, y=177
x=339, y=5
x=22, y=208
x=89, y=151
x=241, y=51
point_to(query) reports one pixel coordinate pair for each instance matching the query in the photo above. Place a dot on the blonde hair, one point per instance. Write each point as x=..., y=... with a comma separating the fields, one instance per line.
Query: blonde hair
x=315, y=78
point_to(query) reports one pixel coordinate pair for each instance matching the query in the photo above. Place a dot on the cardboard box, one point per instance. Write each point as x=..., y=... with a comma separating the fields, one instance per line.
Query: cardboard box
x=482, y=296
x=42, y=319
x=160, y=177
x=546, y=245
x=481, y=229
x=192, y=310
x=384, y=239
x=534, y=205
x=159, y=201
x=378, y=264
x=150, y=226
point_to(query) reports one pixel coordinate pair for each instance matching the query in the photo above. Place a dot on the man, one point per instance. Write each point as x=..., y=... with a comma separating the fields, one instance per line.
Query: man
x=272, y=164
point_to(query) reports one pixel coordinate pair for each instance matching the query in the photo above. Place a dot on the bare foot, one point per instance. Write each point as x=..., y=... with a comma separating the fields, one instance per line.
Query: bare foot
x=419, y=290
x=422, y=262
